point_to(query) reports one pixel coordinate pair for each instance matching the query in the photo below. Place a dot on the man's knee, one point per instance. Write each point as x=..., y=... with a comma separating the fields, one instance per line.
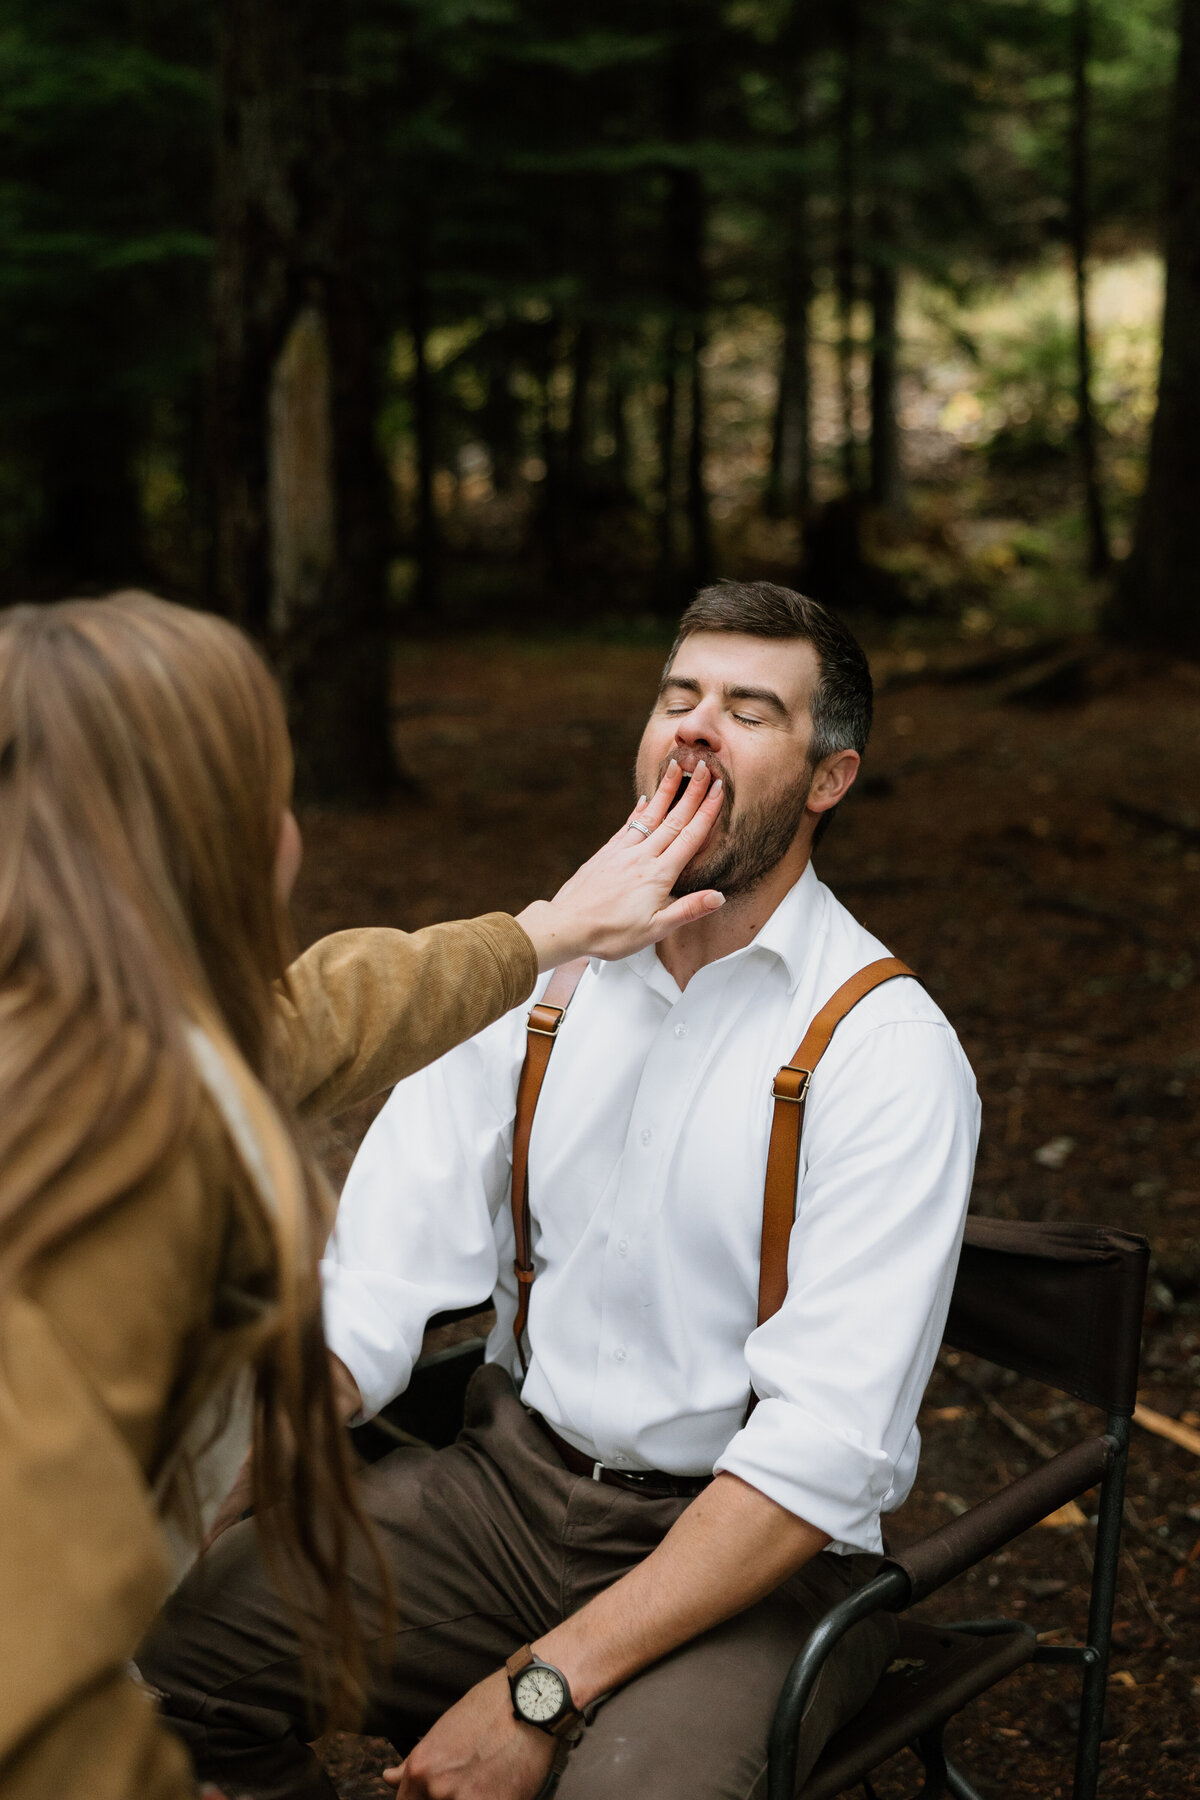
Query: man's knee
x=223, y=1660
x=695, y=1726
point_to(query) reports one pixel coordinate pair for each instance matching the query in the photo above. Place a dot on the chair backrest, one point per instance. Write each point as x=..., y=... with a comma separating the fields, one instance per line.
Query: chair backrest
x=1061, y=1303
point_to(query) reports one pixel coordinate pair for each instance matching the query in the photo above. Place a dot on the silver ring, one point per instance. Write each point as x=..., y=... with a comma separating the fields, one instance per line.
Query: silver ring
x=636, y=825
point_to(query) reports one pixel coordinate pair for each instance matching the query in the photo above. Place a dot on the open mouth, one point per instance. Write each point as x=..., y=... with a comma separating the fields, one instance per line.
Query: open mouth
x=680, y=792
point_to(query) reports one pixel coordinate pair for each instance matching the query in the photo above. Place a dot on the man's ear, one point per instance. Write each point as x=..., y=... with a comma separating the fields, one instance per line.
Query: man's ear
x=833, y=780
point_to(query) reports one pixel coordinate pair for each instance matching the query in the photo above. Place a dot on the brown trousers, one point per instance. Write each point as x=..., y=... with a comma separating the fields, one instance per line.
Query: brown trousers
x=490, y=1543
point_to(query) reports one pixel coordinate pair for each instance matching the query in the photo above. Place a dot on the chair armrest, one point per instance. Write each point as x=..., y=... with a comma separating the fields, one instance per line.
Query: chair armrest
x=887, y=1592
x=935, y=1560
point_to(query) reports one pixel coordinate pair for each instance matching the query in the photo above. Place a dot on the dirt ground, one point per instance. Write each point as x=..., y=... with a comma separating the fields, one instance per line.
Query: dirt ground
x=1039, y=867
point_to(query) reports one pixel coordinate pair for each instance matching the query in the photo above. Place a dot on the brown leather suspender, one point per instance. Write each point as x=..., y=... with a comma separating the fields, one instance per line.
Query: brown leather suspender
x=544, y=1021
x=790, y=1088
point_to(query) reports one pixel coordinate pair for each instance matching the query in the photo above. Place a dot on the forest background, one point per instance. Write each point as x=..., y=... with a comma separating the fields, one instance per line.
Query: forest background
x=364, y=316
x=448, y=345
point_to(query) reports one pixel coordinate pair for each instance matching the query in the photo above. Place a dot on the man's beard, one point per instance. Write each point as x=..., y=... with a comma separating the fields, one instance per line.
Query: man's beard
x=756, y=842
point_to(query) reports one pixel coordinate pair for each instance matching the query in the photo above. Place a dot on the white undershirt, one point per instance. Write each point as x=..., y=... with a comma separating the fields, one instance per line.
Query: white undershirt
x=646, y=1183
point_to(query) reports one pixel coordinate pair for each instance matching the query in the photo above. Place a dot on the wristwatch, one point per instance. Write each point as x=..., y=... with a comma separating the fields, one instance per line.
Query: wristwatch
x=541, y=1695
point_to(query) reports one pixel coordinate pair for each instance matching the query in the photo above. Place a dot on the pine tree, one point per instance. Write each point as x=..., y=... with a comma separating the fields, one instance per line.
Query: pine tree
x=1158, y=597
x=301, y=507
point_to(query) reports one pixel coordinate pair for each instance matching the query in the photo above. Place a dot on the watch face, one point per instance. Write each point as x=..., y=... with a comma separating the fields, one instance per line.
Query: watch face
x=539, y=1695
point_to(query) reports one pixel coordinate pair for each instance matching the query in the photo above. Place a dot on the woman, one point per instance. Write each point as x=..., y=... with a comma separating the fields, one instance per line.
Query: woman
x=160, y=1214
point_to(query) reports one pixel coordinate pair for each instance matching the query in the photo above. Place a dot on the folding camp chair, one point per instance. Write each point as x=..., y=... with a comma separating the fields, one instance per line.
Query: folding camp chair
x=1063, y=1304
x=1060, y=1303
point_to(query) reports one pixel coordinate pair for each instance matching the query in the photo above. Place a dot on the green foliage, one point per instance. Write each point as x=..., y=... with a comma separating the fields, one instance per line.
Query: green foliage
x=105, y=121
x=560, y=200
x=1028, y=393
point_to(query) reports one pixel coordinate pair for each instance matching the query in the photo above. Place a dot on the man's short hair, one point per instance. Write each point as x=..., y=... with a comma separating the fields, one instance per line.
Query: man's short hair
x=843, y=702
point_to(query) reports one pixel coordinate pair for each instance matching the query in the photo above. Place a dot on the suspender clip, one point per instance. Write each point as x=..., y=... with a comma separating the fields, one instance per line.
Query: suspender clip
x=789, y=1077
x=544, y=1021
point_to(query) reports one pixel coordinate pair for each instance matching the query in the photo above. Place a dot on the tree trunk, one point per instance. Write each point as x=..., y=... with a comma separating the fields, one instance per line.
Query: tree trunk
x=90, y=533
x=887, y=489
x=686, y=293
x=666, y=468
x=552, y=512
x=1085, y=428
x=846, y=253
x=789, y=482
x=618, y=419
x=699, y=535
x=429, y=560
x=1157, y=600
x=580, y=419
x=886, y=142
x=502, y=427
x=302, y=519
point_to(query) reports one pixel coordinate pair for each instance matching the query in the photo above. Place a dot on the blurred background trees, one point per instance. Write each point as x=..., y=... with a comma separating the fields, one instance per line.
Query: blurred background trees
x=351, y=317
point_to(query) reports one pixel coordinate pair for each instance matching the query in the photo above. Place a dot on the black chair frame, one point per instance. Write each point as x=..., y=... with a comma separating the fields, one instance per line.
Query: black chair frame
x=1088, y=1347
x=1061, y=1303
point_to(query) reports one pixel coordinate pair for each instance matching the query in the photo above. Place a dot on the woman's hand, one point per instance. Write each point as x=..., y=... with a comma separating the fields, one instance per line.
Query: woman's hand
x=620, y=900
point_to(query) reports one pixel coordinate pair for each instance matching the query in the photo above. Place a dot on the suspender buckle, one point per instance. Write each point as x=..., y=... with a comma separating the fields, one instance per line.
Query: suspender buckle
x=544, y=1021
x=797, y=1079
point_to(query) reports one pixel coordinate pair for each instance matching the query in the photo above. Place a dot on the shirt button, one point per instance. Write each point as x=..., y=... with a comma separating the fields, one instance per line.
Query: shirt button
x=647, y=1137
x=681, y=1029
x=622, y=1246
x=618, y=1356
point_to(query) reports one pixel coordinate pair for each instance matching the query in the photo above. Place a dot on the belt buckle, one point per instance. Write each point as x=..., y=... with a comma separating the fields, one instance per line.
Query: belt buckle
x=597, y=1471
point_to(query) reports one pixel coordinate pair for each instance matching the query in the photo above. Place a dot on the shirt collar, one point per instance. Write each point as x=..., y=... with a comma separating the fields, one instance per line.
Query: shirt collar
x=789, y=934
x=791, y=931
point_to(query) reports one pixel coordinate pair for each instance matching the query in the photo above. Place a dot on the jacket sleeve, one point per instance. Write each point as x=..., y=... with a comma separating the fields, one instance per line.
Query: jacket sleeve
x=83, y=1569
x=363, y=1009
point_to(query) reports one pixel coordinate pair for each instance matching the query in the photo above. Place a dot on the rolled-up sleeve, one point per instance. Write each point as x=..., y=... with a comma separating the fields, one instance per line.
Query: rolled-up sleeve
x=841, y=1368
x=414, y=1233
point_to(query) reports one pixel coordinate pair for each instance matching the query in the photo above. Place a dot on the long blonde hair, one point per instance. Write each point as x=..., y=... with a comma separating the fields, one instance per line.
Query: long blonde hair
x=145, y=768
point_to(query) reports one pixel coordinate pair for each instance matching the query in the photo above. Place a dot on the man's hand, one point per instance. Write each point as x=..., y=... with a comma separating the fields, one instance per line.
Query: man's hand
x=477, y=1751
x=235, y=1505
x=346, y=1396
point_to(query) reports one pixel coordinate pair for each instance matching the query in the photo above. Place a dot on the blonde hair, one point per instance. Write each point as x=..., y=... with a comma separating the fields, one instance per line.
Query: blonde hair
x=145, y=768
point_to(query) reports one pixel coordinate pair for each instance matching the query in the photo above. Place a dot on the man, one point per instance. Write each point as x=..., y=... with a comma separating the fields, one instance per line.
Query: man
x=662, y=1549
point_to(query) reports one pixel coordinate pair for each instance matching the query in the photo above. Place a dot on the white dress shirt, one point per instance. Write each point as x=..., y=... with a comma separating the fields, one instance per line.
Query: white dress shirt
x=646, y=1173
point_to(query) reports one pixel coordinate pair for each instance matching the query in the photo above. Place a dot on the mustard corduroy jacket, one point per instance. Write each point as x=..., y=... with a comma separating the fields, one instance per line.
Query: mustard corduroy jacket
x=96, y=1347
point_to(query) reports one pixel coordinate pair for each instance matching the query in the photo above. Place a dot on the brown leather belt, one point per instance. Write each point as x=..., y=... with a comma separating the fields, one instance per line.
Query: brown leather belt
x=655, y=1484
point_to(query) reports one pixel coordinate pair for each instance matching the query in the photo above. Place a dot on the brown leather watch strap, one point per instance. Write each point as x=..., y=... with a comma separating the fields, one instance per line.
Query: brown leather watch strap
x=790, y=1089
x=519, y=1661
x=544, y=1021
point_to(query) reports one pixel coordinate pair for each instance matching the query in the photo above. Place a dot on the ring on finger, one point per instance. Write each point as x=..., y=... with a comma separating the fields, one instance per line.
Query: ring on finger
x=637, y=825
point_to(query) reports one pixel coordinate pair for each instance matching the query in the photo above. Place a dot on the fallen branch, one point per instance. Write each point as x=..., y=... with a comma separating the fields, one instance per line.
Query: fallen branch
x=1079, y=906
x=1143, y=1593
x=1168, y=1428
x=1176, y=823
x=1019, y=1430
x=1027, y=1436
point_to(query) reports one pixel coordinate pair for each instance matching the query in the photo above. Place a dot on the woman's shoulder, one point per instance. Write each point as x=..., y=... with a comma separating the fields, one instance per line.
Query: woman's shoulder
x=128, y=1120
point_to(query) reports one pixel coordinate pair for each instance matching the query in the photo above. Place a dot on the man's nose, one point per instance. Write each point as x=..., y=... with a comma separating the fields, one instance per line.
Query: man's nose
x=699, y=729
